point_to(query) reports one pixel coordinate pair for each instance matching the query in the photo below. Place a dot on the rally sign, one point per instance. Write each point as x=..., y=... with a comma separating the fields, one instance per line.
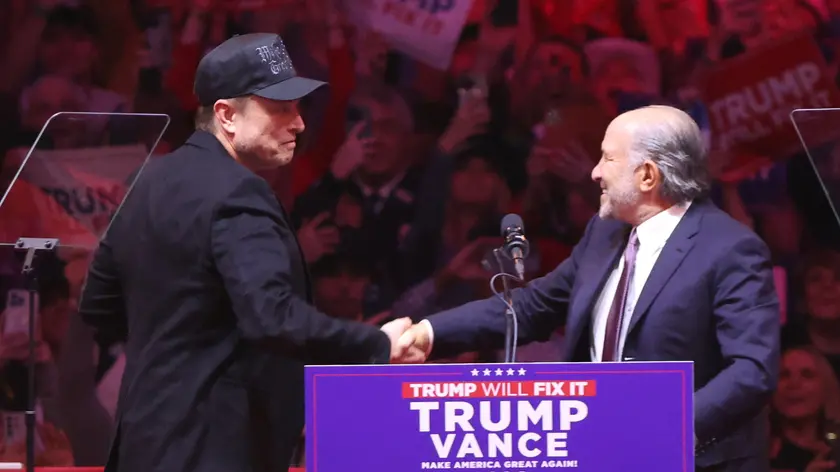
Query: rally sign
x=500, y=417
x=69, y=194
x=750, y=97
x=426, y=30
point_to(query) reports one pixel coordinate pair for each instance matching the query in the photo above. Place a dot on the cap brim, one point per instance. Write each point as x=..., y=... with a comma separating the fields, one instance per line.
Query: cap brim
x=294, y=88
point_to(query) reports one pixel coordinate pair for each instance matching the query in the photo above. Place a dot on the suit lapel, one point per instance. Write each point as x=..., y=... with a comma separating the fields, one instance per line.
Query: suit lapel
x=595, y=274
x=293, y=235
x=676, y=248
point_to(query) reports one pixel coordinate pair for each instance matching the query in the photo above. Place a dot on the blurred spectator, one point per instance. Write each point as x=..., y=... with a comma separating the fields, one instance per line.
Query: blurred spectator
x=781, y=228
x=459, y=253
x=63, y=40
x=805, y=412
x=819, y=324
x=625, y=74
x=372, y=166
x=744, y=25
x=673, y=27
x=340, y=283
x=52, y=319
x=552, y=74
x=557, y=220
x=47, y=96
x=598, y=18
x=783, y=17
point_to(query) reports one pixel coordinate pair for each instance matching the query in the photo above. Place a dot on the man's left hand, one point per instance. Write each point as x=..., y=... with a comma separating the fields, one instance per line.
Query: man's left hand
x=401, y=352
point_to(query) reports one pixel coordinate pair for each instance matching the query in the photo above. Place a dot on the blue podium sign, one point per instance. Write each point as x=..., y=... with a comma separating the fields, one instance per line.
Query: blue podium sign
x=592, y=417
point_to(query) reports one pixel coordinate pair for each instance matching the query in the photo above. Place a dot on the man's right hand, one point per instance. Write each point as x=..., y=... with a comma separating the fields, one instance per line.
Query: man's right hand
x=415, y=344
x=402, y=352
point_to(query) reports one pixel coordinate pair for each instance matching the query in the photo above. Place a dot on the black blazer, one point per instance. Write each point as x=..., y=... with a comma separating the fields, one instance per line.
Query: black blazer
x=710, y=299
x=202, y=274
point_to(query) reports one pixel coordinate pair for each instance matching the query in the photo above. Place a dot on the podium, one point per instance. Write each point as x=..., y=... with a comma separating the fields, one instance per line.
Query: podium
x=591, y=417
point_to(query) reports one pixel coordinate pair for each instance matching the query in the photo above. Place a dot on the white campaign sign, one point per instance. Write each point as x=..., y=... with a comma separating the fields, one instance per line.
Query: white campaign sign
x=427, y=30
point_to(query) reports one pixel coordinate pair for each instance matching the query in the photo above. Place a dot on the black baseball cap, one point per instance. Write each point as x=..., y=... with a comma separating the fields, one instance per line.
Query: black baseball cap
x=250, y=64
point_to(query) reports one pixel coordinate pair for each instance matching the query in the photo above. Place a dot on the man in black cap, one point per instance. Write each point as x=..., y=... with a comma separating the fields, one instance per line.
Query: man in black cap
x=201, y=274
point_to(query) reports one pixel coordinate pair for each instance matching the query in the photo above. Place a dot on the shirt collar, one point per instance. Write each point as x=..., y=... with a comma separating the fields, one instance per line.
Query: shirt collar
x=656, y=230
x=383, y=191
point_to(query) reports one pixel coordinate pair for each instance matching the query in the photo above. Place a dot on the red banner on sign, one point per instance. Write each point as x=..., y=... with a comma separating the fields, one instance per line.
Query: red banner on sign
x=750, y=97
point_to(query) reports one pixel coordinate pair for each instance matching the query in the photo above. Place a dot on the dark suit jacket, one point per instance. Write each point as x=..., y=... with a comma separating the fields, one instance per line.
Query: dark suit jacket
x=710, y=299
x=202, y=273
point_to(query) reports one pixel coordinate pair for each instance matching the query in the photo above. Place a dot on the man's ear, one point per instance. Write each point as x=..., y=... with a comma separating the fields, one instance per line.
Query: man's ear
x=650, y=176
x=224, y=111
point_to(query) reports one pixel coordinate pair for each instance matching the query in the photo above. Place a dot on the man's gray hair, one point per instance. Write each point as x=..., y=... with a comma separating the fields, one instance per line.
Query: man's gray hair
x=676, y=146
x=205, y=116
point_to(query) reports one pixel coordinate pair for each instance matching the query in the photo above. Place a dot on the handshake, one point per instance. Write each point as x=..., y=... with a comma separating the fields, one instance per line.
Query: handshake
x=410, y=343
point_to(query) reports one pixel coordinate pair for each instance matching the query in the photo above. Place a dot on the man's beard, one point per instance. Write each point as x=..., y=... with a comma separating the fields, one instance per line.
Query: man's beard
x=253, y=157
x=618, y=200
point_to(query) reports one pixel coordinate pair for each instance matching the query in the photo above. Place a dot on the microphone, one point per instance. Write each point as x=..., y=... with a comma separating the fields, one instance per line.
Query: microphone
x=516, y=246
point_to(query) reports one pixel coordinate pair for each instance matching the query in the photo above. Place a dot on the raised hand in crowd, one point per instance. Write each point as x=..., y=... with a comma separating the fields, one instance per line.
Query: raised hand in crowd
x=318, y=237
x=351, y=153
x=821, y=462
x=672, y=27
x=371, y=54
x=568, y=162
x=470, y=119
x=466, y=266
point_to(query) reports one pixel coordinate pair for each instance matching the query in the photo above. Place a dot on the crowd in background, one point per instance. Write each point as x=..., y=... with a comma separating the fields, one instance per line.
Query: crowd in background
x=404, y=170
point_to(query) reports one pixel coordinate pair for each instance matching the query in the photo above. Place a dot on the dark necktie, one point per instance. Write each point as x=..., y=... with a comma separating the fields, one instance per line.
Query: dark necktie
x=373, y=204
x=615, y=319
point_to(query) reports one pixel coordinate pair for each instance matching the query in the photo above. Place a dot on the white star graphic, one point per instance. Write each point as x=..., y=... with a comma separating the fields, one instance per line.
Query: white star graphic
x=499, y=371
x=521, y=371
x=486, y=372
x=510, y=371
x=474, y=372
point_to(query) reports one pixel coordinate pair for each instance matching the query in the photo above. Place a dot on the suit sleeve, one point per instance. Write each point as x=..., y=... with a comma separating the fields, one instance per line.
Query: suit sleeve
x=746, y=313
x=255, y=266
x=541, y=306
x=102, y=305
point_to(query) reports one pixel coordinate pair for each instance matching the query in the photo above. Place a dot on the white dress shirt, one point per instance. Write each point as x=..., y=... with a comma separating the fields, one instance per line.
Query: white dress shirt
x=652, y=234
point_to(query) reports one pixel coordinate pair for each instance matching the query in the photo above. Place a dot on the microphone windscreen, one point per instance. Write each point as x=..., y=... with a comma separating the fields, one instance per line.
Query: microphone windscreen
x=511, y=220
